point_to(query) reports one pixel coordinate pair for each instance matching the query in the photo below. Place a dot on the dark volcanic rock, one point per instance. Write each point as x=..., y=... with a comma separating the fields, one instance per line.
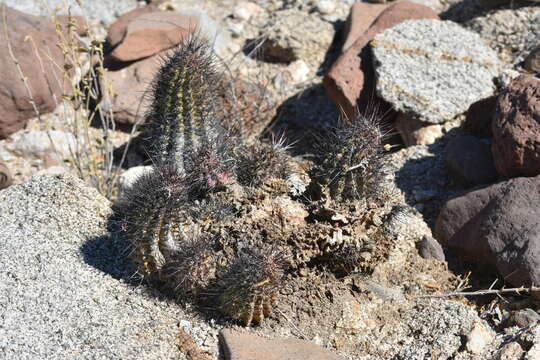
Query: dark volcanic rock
x=469, y=161
x=479, y=117
x=498, y=227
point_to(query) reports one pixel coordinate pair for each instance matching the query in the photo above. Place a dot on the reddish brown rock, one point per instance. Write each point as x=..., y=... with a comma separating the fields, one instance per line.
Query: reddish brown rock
x=117, y=30
x=245, y=346
x=151, y=33
x=360, y=18
x=129, y=85
x=516, y=129
x=350, y=81
x=15, y=106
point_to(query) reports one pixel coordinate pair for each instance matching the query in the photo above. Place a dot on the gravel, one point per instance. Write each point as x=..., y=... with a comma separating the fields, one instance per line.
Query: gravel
x=65, y=288
x=105, y=11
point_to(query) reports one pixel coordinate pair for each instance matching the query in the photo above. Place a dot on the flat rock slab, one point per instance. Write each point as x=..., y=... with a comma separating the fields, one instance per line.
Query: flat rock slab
x=433, y=70
x=244, y=346
x=61, y=293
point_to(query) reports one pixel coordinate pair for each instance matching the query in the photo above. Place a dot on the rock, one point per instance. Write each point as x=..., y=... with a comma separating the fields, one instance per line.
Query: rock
x=43, y=84
x=78, y=23
x=532, y=62
x=295, y=73
x=5, y=176
x=509, y=351
x=385, y=293
x=57, y=144
x=296, y=36
x=131, y=175
x=479, y=117
x=498, y=227
x=461, y=11
x=153, y=32
x=512, y=33
x=117, y=30
x=516, y=129
x=414, y=132
x=359, y=20
x=244, y=10
x=436, y=5
x=433, y=70
x=521, y=318
x=52, y=170
x=245, y=346
x=429, y=248
x=129, y=85
x=434, y=326
x=491, y=4
x=60, y=292
x=105, y=11
x=478, y=338
x=469, y=161
x=326, y=7
x=350, y=80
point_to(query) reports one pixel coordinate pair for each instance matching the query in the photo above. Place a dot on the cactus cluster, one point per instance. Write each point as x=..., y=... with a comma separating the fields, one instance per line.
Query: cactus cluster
x=214, y=219
x=352, y=158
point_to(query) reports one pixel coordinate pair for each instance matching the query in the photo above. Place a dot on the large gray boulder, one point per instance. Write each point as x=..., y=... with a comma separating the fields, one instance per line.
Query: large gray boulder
x=63, y=288
x=433, y=70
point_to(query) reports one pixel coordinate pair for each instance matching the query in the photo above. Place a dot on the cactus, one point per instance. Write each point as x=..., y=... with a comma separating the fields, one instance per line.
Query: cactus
x=352, y=165
x=183, y=125
x=151, y=211
x=250, y=287
x=259, y=162
x=190, y=265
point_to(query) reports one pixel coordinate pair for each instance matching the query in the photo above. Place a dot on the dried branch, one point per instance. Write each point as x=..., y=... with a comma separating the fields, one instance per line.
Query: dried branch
x=518, y=291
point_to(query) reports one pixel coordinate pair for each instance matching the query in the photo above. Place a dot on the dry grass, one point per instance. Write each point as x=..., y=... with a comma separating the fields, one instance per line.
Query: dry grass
x=78, y=110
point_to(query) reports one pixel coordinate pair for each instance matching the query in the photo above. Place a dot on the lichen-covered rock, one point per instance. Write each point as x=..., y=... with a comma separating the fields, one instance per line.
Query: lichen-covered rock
x=433, y=70
x=59, y=290
x=516, y=129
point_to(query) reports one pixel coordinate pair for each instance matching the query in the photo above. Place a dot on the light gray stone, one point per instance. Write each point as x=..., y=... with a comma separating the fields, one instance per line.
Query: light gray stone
x=63, y=281
x=36, y=143
x=105, y=11
x=433, y=70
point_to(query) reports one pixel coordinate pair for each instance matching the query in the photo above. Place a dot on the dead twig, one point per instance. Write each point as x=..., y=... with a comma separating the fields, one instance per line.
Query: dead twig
x=497, y=292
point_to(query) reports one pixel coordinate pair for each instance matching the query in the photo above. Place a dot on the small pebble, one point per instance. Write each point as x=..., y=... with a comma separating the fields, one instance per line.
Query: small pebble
x=245, y=10
x=326, y=6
